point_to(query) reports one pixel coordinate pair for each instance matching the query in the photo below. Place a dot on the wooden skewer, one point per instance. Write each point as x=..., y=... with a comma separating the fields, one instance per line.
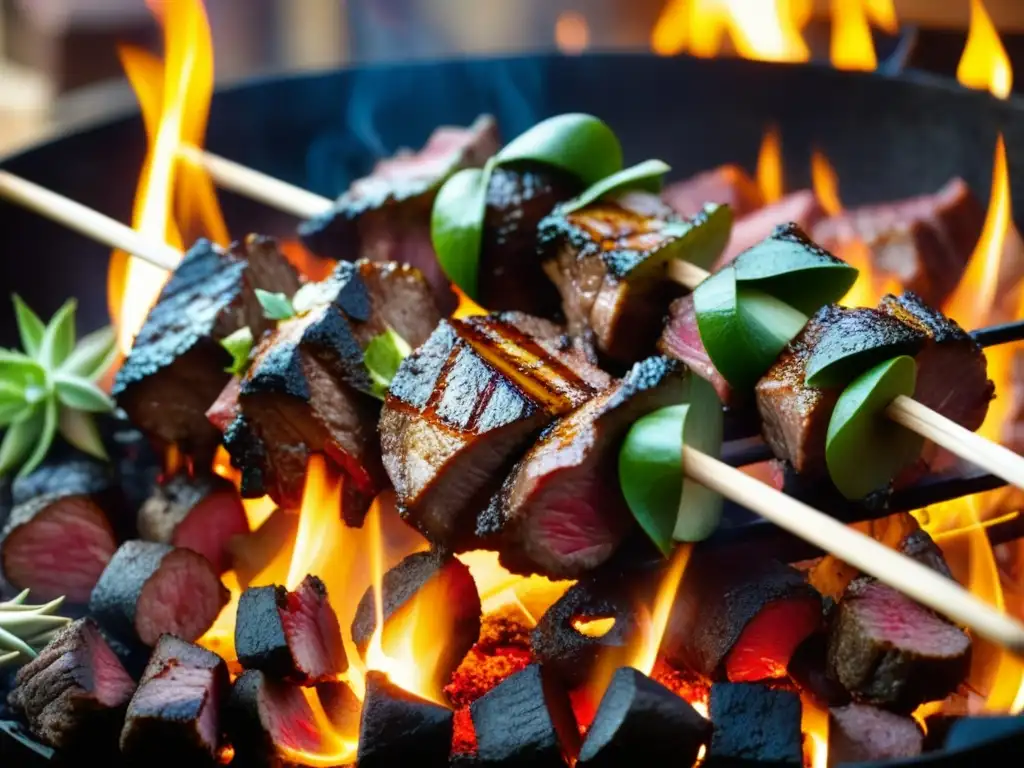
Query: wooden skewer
x=859, y=550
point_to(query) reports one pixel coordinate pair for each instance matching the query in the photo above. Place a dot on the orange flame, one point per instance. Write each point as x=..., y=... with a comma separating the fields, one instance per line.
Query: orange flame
x=769, y=166
x=466, y=307
x=852, y=44
x=647, y=653
x=825, y=183
x=572, y=33
x=814, y=723
x=984, y=64
x=174, y=98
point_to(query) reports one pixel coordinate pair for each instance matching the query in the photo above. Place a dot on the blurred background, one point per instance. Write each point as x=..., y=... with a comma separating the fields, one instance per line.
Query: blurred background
x=59, y=66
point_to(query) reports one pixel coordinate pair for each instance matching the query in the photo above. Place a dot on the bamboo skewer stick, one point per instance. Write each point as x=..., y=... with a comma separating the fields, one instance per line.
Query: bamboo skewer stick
x=857, y=549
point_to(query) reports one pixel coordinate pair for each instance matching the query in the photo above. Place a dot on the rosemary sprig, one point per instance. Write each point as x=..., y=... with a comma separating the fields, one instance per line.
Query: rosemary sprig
x=26, y=629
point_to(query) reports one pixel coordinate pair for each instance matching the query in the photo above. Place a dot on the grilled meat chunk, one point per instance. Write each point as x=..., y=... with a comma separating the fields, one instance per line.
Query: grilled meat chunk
x=681, y=340
x=924, y=241
x=56, y=545
x=459, y=411
x=174, y=717
x=801, y=208
x=386, y=216
x=201, y=513
x=74, y=693
x=608, y=261
x=726, y=185
x=859, y=733
x=175, y=370
x=561, y=512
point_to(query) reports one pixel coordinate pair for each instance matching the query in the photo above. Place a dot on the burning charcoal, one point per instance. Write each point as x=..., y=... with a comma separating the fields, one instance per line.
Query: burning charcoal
x=265, y=717
x=459, y=410
x=726, y=185
x=253, y=553
x=808, y=668
x=569, y=653
x=861, y=733
x=800, y=208
x=175, y=370
x=444, y=590
x=200, y=513
x=526, y=720
x=608, y=262
x=290, y=635
x=681, y=340
x=340, y=704
x=560, y=512
x=924, y=242
x=74, y=693
x=400, y=728
x=754, y=725
x=386, y=215
x=56, y=545
x=638, y=716
x=740, y=620
x=502, y=650
x=149, y=589
x=891, y=652
x=173, y=718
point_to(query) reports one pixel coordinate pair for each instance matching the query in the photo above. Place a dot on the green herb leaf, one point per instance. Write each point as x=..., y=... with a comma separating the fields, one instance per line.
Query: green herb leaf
x=13, y=404
x=59, y=336
x=93, y=354
x=383, y=355
x=44, y=438
x=30, y=327
x=276, y=306
x=645, y=176
x=81, y=394
x=19, y=439
x=701, y=239
x=700, y=508
x=456, y=226
x=865, y=450
x=21, y=370
x=238, y=345
x=578, y=143
x=80, y=430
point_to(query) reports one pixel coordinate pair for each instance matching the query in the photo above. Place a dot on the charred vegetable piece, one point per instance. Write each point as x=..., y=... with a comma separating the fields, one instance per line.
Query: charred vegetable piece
x=856, y=341
x=201, y=513
x=149, y=589
x=859, y=733
x=290, y=635
x=560, y=512
x=666, y=505
x=74, y=694
x=400, y=728
x=57, y=545
x=174, y=716
x=864, y=449
x=754, y=725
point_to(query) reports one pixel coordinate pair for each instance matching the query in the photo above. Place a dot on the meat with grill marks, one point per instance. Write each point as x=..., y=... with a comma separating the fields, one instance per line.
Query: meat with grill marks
x=460, y=411
x=176, y=368
x=307, y=389
x=561, y=512
x=952, y=375
x=608, y=261
x=386, y=216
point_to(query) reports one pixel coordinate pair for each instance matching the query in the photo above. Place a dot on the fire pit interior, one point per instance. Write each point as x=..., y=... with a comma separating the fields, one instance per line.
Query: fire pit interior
x=359, y=503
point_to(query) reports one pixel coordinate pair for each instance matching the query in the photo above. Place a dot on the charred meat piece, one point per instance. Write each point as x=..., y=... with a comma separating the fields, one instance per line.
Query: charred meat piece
x=560, y=512
x=57, y=545
x=808, y=669
x=726, y=185
x=74, y=693
x=290, y=635
x=149, y=589
x=175, y=370
x=400, y=728
x=174, y=717
x=201, y=513
x=386, y=216
x=400, y=299
x=519, y=196
x=76, y=475
x=924, y=241
x=754, y=725
x=681, y=340
x=608, y=261
x=424, y=584
x=891, y=652
x=859, y=733
x=740, y=620
x=459, y=411
x=801, y=208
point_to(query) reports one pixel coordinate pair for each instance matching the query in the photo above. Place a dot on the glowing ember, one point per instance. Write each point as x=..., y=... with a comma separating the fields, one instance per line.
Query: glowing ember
x=594, y=627
x=572, y=33
x=815, y=725
x=984, y=64
x=769, y=166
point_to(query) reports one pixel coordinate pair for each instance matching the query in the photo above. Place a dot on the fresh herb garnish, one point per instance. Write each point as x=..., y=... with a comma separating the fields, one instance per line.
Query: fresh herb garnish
x=238, y=345
x=276, y=306
x=50, y=387
x=646, y=176
x=26, y=629
x=383, y=355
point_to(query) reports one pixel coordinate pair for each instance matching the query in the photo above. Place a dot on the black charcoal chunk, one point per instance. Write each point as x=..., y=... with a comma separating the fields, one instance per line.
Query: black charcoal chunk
x=754, y=726
x=398, y=728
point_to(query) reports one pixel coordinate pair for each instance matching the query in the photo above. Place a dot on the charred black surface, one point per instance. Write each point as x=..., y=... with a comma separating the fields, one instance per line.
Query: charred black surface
x=526, y=720
x=869, y=335
x=173, y=718
x=638, y=716
x=260, y=641
x=754, y=725
x=912, y=309
x=244, y=726
x=345, y=289
x=77, y=476
x=808, y=668
x=115, y=599
x=398, y=728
